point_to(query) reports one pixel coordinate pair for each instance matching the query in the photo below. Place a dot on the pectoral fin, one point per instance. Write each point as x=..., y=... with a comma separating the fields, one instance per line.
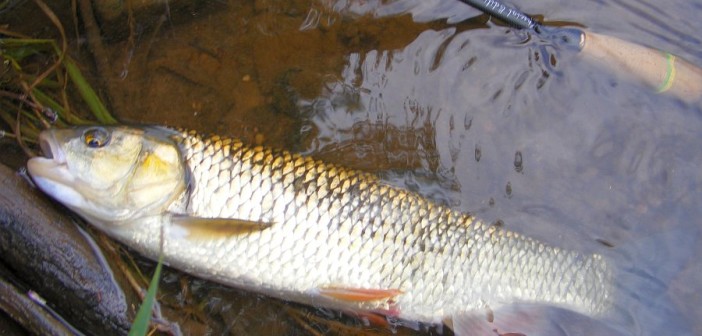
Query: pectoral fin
x=201, y=227
x=359, y=294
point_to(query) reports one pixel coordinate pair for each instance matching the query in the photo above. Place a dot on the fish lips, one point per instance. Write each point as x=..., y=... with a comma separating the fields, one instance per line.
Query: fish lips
x=51, y=173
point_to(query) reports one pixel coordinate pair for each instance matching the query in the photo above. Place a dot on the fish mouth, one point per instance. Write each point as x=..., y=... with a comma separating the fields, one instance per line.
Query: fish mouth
x=50, y=148
x=54, y=175
x=51, y=172
x=52, y=165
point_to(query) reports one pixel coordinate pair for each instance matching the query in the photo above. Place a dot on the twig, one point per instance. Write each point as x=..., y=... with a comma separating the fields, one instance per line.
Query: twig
x=29, y=313
x=37, y=107
x=64, y=43
x=18, y=132
x=302, y=323
x=22, y=98
x=92, y=30
x=5, y=31
x=4, y=134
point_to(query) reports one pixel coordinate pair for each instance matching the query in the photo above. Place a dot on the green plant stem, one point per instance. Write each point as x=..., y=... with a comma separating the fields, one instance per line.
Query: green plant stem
x=143, y=317
x=89, y=96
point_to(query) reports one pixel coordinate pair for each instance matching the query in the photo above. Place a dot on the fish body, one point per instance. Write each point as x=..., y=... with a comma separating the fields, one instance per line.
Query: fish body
x=307, y=231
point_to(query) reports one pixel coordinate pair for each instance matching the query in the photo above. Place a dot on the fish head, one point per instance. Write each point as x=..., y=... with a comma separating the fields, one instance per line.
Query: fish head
x=110, y=174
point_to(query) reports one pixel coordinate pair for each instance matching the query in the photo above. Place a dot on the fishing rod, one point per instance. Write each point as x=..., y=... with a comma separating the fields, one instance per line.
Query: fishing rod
x=660, y=70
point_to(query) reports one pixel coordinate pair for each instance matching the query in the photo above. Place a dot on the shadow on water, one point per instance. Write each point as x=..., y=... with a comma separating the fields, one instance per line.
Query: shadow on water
x=470, y=113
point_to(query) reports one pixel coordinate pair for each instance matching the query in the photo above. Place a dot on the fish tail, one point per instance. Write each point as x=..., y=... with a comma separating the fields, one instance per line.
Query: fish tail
x=640, y=305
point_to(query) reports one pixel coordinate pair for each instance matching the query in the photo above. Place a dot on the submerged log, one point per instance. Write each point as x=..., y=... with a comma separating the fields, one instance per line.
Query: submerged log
x=54, y=258
x=30, y=313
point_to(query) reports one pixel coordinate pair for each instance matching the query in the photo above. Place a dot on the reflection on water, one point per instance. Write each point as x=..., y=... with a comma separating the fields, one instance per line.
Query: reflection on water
x=525, y=133
x=435, y=88
x=598, y=159
x=491, y=121
x=421, y=10
x=472, y=114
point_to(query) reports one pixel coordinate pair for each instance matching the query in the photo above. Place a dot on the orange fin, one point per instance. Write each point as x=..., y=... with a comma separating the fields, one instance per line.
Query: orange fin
x=359, y=294
x=371, y=319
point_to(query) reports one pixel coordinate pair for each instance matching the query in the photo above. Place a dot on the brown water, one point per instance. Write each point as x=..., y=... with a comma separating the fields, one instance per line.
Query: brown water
x=437, y=99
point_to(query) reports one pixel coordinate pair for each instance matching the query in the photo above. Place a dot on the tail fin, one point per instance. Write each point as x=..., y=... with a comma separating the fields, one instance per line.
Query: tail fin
x=644, y=271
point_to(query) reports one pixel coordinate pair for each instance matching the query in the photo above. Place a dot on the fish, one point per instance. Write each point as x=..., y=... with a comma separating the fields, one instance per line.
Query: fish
x=289, y=226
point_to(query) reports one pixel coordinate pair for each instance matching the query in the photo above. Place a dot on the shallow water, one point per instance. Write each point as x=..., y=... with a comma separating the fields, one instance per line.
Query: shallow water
x=510, y=128
x=435, y=98
x=488, y=119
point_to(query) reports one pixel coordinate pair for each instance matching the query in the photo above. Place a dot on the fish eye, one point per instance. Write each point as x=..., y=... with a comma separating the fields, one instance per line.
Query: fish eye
x=96, y=137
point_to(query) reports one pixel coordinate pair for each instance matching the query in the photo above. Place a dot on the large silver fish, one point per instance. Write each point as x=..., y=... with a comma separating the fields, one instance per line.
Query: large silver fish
x=291, y=227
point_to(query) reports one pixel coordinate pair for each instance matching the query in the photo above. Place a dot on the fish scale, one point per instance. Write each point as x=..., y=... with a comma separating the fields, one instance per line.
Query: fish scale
x=338, y=227
x=305, y=231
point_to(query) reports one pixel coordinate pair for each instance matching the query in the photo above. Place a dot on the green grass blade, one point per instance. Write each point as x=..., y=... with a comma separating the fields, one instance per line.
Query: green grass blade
x=143, y=316
x=49, y=102
x=90, y=97
x=19, y=42
x=16, y=49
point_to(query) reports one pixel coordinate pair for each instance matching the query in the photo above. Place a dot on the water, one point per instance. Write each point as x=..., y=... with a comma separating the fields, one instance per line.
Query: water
x=434, y=98
x=485, y=118
x=531, y=135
